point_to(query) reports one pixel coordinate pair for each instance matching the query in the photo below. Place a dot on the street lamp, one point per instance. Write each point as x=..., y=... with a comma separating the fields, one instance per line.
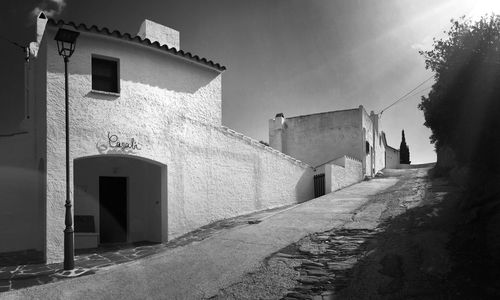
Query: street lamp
x=66, y=40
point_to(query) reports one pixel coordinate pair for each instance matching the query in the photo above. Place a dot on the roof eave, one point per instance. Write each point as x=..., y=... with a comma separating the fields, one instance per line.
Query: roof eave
x=146, y=42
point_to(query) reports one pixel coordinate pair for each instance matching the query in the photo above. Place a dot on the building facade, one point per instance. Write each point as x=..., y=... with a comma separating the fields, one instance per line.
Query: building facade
x=321, y=138
x=149, y=157
x=392, y=160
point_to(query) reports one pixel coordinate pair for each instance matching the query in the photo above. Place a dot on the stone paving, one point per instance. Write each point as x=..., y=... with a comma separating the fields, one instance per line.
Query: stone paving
x=325, y=260
x=321, y=265
x=17, y=276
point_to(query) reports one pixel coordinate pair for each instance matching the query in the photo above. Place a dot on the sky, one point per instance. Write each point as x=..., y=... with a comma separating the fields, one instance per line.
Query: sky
x=289, y=56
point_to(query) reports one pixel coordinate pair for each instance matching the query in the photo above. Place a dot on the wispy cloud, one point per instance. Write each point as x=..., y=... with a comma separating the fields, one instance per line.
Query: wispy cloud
x=424, y=45
x=51, y=8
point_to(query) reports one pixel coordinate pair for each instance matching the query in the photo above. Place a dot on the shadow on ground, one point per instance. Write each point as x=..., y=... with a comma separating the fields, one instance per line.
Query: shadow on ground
x=425, y=250
x=409, y=257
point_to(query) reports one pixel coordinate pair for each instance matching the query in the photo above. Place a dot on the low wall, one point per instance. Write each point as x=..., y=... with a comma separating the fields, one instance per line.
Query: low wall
x=391, y=158
x=227, y=174
x=342, y=172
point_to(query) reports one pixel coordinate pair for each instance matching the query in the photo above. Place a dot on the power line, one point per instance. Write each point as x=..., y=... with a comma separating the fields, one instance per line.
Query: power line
x=12, y=42
x=467, y=15
x=419, y=91
x=405, y=96
x=25, y=48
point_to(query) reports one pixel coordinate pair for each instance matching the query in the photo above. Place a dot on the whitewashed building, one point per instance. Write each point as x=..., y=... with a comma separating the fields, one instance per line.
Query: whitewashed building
x=149, y=157
x=392, y=159
x=324, y=137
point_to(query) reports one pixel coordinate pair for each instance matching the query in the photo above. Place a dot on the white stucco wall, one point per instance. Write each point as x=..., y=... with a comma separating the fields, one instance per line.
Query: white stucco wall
x=172, y=108
x=367, y=158
x=319, y=138
x=227, y=174
x=342, y=172
x=378, y=145
x=391, y=158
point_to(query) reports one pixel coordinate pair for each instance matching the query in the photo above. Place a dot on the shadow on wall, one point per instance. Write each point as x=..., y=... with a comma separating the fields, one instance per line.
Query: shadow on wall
x=304, y=189
x=21, y=210
x=142, y=196
x=137, y=64
x=167, y=72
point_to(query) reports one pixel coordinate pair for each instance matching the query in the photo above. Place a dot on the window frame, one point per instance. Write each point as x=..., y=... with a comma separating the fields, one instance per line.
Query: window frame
x=106, y=58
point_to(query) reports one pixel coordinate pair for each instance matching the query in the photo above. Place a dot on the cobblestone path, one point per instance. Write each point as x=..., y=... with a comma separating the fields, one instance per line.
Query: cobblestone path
x=324, y=261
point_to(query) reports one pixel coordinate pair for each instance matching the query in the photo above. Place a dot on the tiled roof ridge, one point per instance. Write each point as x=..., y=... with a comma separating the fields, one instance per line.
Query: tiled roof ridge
x=254, y=142
x=146, y=41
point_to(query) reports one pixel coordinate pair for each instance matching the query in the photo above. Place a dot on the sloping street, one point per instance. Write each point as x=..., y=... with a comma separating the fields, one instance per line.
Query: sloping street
x=301, y=251
x=390, y=247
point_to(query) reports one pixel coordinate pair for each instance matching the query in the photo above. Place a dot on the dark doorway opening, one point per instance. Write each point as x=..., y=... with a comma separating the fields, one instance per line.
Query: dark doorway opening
x=319, y=185
x=113, y=209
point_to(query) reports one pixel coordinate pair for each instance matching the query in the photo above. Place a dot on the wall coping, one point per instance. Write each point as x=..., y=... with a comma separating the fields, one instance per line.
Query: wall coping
x=354, y=159
x=322, y=113
x=346, y=156
x=259, y=145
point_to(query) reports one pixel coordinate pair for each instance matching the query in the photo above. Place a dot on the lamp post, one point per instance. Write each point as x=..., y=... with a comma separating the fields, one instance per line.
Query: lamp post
x=66, y=40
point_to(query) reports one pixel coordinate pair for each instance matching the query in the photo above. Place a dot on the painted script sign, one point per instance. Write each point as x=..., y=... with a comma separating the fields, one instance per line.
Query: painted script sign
x=114, y=142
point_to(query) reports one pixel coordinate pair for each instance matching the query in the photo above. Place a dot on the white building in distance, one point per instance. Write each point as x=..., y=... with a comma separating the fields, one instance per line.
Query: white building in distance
x=323, y=137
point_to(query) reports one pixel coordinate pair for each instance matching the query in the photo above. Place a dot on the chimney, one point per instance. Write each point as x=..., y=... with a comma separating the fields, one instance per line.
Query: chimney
x=158, y=33
x=276, y=128
x=41, y=22
x=279, y=121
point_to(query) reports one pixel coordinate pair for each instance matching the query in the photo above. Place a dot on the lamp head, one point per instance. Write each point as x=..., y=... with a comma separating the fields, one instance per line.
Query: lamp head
x=66, y=40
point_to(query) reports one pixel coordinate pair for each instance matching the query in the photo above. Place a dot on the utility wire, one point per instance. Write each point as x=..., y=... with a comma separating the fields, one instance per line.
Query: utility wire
x=419, y=91
x=467, y=15
x=406, y=96
x=25, y=48
x=12, y=42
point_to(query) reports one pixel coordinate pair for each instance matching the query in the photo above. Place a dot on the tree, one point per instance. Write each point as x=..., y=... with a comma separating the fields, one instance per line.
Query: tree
x=404, y=151
x=462, y=109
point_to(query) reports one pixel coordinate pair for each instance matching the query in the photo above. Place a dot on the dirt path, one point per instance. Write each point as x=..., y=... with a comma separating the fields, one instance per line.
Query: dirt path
x=392, y=247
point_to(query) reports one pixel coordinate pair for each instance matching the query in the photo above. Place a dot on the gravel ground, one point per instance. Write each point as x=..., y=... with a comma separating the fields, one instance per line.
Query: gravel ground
x=393, y=247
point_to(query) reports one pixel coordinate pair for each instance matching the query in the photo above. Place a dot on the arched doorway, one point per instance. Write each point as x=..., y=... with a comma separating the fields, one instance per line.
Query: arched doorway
x=118, y=199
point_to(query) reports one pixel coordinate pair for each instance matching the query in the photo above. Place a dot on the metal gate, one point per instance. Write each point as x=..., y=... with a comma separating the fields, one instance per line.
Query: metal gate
x=319, y=185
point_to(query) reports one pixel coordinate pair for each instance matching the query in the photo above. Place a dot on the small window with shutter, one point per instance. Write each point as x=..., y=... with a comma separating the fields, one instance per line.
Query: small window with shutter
x=105, y=75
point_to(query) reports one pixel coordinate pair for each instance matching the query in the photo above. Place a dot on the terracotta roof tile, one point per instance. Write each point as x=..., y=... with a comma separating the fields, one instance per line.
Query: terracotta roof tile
x=147, y=42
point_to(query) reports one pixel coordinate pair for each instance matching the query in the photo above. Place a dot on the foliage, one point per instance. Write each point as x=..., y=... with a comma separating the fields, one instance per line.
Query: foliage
x=463, y=107
x=404, y=151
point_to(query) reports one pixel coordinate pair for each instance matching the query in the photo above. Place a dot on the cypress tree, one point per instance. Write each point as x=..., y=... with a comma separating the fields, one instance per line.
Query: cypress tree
x=404, y=151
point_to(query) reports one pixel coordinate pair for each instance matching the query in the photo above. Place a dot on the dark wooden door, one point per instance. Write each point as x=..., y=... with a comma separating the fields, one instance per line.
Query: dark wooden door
x=113, y=209
x=319, y=185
